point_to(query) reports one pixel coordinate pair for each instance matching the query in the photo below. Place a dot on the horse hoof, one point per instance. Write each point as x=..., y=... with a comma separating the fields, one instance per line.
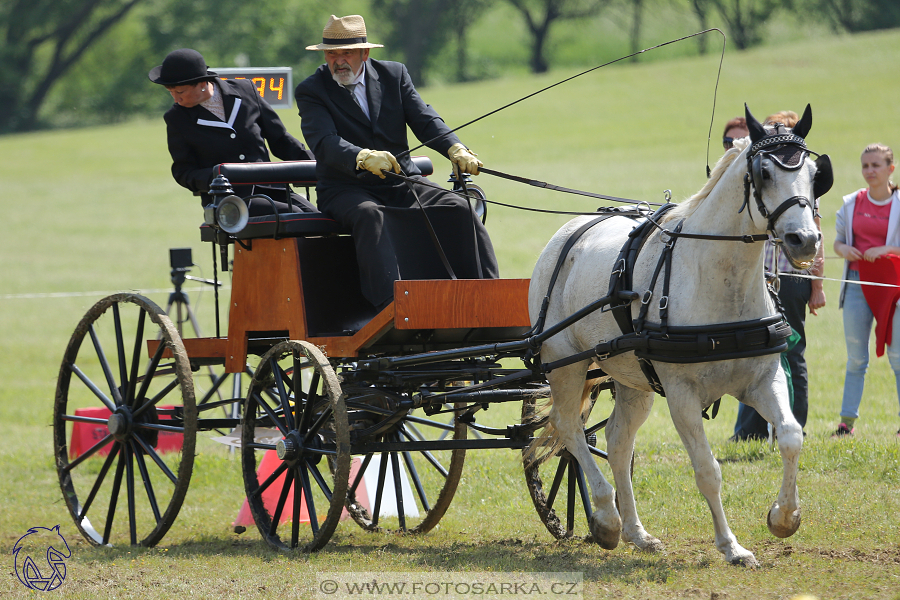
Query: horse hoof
x=651, y=545
x=748, y=561
x=605, y=538
x=784, y=531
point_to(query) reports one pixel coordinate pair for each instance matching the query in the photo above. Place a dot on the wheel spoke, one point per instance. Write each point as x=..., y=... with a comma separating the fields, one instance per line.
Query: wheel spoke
x=554, y=488
x=317, y=426
x=282, y=498
x=135, y=358
x=114, y=451
x=120, y=350
x=570, y=500
x=129, y=488
x=88, y=453
x=93, y=387
x=360, y=473
x=429, y=457
x=148, y=485
x=379, y=489
x=414, y=475
x=107, y=371
x=271, y=414
x=398, y=490
x=317, y=475
x=270, y=479
x=151, y=452
x=310, y=502
x=113, y=498
x=283, y=395
x=148, y=377
x=582, y=489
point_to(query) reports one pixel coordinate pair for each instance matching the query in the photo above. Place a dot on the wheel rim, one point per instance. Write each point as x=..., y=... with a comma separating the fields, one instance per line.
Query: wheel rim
x=416, y=487
x=563, y=502
x=295, y=409
x=134, y=493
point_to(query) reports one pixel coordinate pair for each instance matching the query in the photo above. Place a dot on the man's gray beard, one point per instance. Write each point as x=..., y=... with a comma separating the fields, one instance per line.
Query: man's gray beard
x=343, y=77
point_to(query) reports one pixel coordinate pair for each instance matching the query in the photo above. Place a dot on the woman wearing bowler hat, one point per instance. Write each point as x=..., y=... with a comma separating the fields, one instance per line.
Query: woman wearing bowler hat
x=216, y=121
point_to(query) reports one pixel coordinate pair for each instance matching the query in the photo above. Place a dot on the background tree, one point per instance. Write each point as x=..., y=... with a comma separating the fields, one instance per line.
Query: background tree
x=540, y=15
x=701, y=10
x=856, y=15
x=42, y=40
x=417, y=29
x=746, y=19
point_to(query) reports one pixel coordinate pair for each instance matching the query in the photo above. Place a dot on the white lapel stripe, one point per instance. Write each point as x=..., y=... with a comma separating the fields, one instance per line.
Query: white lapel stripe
x=231, y=118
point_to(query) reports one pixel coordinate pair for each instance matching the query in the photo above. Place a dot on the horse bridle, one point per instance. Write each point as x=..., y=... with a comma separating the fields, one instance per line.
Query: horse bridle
x=767, y=148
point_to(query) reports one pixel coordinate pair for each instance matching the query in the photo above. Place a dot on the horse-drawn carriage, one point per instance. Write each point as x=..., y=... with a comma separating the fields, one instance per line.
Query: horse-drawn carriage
x=401, y=389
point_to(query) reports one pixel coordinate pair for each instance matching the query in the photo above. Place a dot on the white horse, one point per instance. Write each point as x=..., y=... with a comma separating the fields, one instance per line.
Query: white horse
x=712, y=282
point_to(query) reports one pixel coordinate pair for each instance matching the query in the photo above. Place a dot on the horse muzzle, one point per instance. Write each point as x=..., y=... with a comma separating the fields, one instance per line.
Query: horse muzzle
x=800, y=247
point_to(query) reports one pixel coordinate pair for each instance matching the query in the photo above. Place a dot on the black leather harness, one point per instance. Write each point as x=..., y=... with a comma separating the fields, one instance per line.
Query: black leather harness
x=660, y=341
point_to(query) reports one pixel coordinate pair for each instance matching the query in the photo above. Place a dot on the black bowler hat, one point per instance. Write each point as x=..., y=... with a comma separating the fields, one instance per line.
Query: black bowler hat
x=181, y=67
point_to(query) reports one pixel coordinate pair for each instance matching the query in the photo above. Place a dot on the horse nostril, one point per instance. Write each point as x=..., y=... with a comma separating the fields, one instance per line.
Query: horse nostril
x=793, y=240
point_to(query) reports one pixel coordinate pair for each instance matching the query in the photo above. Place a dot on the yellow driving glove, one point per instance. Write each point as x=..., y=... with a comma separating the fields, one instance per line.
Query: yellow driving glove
x=464, y=160
x=376, y=161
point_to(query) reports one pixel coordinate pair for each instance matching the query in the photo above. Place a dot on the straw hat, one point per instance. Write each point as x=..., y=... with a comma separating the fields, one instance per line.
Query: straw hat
x=181, y=67
x=344, y=33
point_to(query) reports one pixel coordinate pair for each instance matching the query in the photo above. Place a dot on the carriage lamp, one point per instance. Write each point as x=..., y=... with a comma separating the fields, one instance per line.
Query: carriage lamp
x=232, y=214
x=227, y=211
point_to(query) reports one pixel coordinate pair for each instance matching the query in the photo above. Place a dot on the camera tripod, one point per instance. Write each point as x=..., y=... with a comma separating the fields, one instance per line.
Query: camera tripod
x=181, y=262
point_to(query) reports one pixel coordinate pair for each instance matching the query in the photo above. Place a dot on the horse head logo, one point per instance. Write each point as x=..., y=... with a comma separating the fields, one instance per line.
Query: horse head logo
x=40, y=541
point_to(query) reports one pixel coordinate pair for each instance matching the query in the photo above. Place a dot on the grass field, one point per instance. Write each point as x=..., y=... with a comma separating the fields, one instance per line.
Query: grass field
x=90, y=212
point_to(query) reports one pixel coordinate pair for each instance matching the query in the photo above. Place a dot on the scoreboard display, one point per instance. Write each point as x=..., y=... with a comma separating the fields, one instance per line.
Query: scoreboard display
x=274, y=84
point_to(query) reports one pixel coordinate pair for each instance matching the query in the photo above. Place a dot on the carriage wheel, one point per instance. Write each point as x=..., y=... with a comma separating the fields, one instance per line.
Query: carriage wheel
x=569, y=491
x=295, y=412
x=413, y=489
x=122, y=392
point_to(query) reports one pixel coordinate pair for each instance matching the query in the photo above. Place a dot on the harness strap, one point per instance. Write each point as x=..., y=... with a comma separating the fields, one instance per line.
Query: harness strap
x=434, y=237
x=560, y=261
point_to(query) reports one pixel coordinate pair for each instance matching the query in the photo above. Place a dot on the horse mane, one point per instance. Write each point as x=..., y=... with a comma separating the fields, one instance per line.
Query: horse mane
x=687, y=207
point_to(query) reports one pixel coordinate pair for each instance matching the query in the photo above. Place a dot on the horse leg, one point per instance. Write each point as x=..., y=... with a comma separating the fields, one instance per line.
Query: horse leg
x=631, y=410
x=784, y=516
x=567, y=387
x=687, y=415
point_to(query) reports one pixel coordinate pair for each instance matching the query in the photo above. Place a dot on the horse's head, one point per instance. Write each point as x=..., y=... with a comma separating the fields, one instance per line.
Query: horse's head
x=786, y=184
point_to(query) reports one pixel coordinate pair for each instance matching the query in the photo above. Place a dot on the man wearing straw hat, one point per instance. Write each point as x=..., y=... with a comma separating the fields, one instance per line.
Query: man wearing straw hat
x=355, y=112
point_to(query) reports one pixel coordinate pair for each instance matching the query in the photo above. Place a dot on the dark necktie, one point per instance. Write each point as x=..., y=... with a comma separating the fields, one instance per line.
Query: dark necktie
x=350, y=87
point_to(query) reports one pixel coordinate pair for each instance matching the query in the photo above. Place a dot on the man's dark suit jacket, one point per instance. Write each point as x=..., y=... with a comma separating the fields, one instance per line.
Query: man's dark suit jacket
x=336, y=128
x=198, y=140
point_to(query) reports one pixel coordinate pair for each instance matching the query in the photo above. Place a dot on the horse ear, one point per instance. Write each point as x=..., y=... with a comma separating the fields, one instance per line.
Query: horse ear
x=804, y=124
x=757, y=131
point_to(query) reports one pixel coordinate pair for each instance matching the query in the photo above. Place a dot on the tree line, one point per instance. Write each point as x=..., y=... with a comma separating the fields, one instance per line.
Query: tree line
x=83, y=62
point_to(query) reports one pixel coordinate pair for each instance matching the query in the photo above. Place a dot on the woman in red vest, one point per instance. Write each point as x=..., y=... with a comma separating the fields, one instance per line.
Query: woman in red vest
x=868, y=238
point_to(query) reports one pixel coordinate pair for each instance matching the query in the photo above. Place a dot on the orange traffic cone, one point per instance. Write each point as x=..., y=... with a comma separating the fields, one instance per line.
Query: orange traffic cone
x=270, y=496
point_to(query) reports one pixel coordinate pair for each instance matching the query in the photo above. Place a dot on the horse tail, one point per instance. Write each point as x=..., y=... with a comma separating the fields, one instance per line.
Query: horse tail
x=548, y=444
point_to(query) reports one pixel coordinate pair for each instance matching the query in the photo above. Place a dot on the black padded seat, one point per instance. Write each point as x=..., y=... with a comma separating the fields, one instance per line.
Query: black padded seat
x=285, y=225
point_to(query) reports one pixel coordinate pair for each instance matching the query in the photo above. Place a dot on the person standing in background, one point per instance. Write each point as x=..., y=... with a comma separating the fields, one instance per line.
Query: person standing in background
x=868, y=230
x=795, y=295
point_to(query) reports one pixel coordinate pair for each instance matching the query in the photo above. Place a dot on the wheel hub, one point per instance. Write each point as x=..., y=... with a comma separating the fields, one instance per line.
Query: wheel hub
x=119, y=423
x=290, y=448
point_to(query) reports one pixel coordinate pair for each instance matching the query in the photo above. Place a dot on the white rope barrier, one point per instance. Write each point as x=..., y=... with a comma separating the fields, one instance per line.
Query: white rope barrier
x=38, y=295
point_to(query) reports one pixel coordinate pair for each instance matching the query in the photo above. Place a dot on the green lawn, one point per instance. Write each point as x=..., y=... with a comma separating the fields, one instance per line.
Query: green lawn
x=95, y=211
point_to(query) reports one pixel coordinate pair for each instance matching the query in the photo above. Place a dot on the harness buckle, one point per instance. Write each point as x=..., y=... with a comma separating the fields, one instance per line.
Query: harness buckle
x=620, y=267
x=664, y=303
x=646, y=298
